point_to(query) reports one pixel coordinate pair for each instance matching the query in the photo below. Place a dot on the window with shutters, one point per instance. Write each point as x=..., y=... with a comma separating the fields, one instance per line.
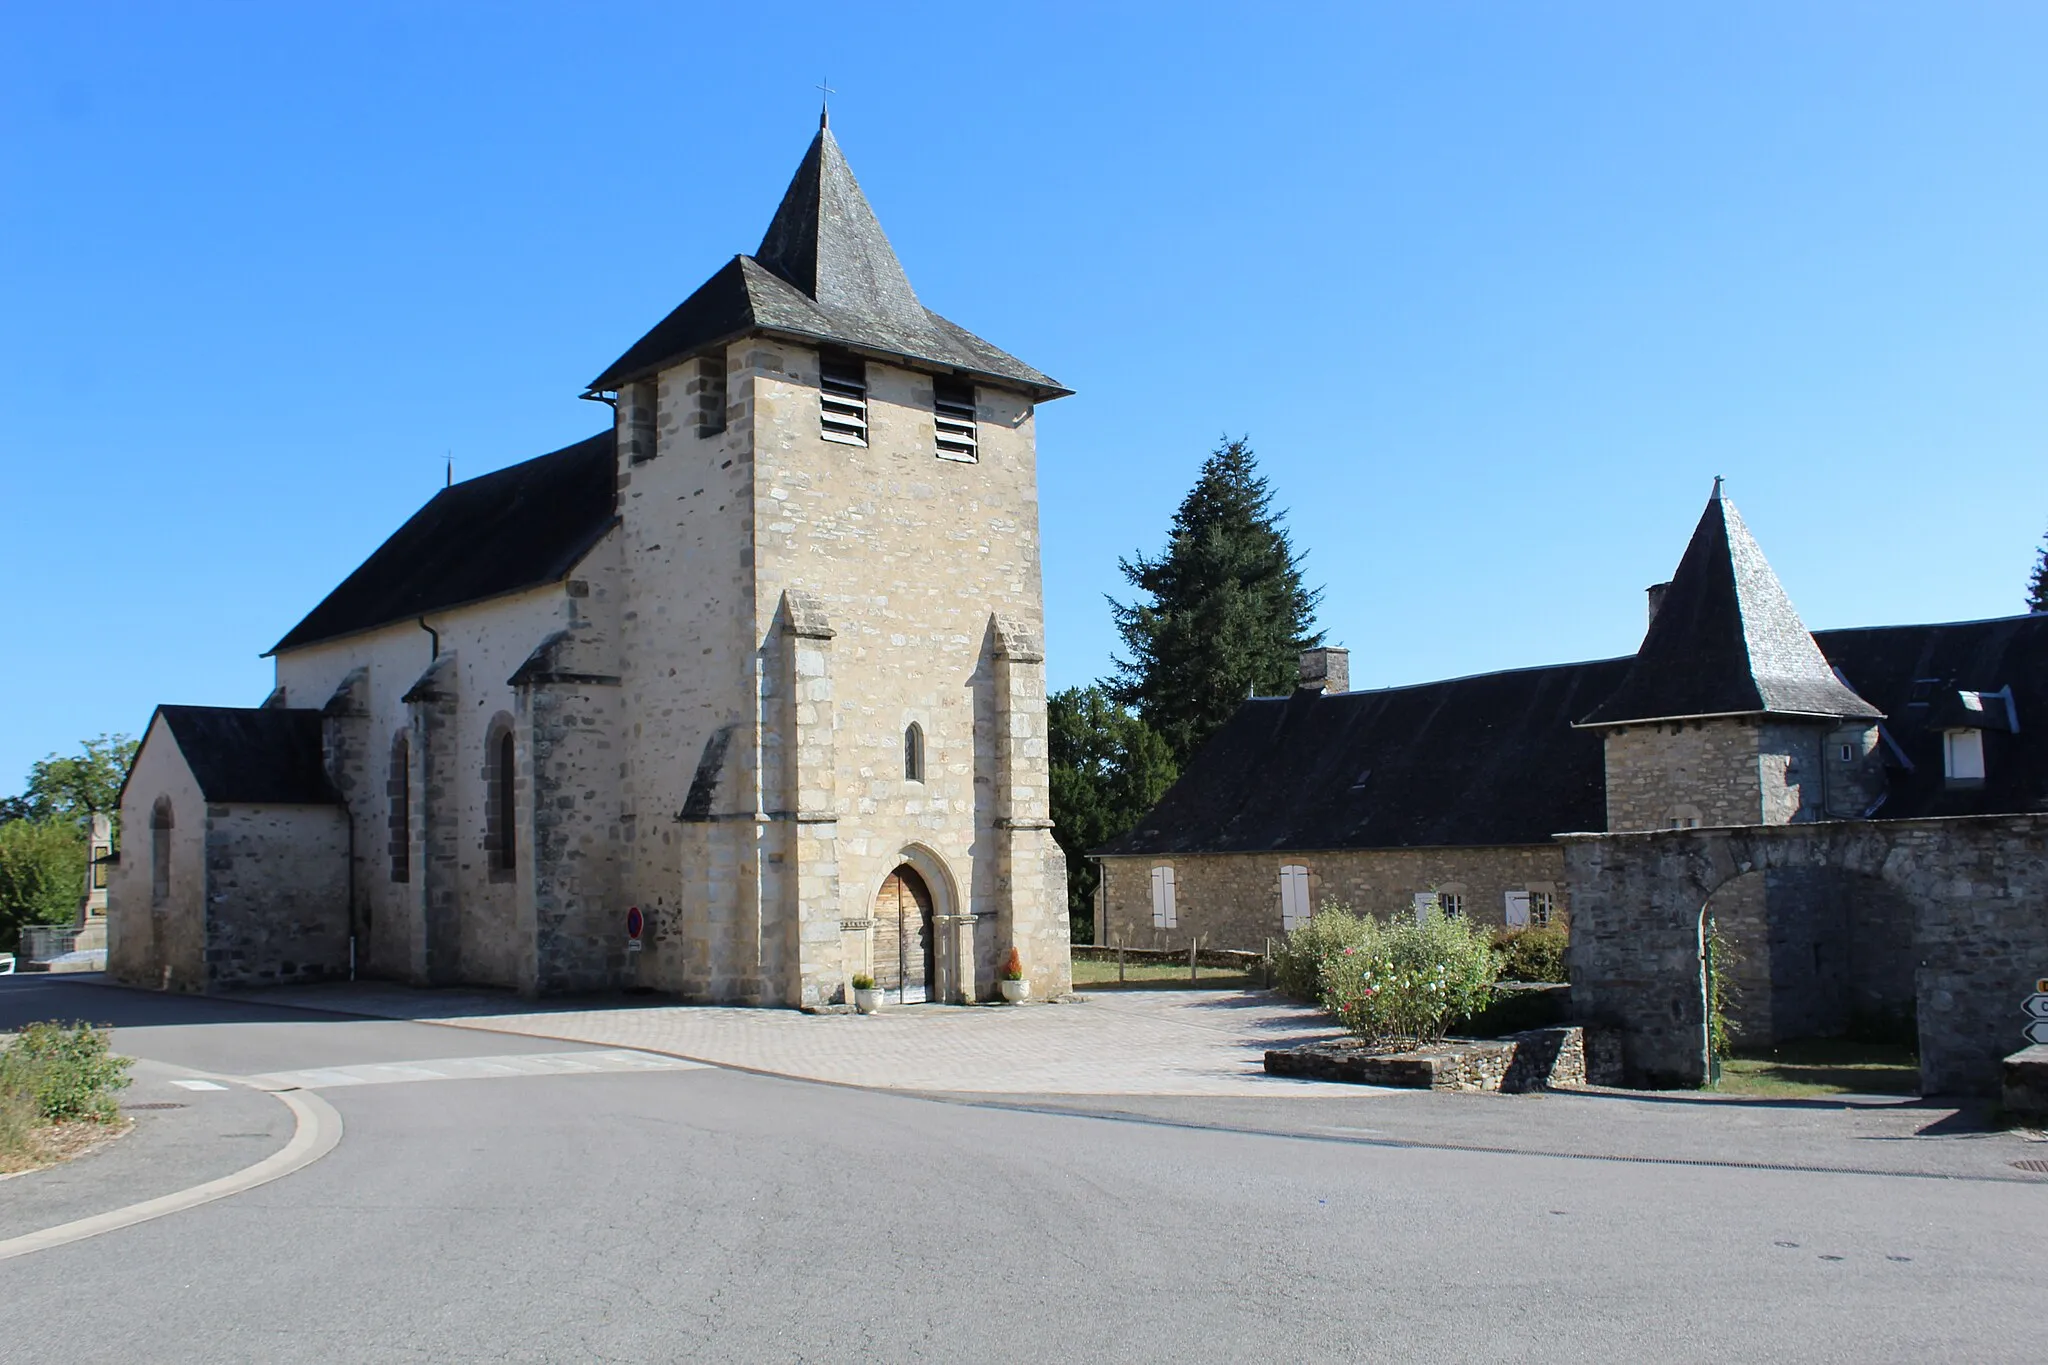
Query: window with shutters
x=1294, y=901
x=1452, y=903
x=1164, y=914
x=1542, y=907
x=953, y=411
x=1962, y=756
x=843, y=399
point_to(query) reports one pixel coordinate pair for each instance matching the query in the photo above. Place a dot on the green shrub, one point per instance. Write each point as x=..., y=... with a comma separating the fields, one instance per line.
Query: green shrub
x=66, y=1071
x=1299, y=959
x=18, y=1146
x=1533, y=954
x=1408, y=982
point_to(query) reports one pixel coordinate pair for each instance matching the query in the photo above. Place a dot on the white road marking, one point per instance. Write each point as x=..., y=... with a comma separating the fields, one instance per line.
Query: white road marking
x=474, y=1069
x=198, y=1085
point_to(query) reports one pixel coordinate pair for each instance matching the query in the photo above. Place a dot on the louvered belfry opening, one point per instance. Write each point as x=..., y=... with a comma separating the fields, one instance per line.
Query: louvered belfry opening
x=953, y=412
x=843, y=398
x=903, y=937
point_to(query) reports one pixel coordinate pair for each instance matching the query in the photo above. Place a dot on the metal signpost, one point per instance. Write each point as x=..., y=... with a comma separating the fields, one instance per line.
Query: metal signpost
x=2035, y=1007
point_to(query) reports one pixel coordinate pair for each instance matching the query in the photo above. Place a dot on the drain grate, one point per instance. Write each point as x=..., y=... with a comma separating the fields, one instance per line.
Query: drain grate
x=2037, y=1167
x=155, y=1104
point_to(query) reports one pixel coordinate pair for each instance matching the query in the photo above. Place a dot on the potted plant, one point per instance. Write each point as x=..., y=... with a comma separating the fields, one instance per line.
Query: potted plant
x=866, y=998
x=1015, y=987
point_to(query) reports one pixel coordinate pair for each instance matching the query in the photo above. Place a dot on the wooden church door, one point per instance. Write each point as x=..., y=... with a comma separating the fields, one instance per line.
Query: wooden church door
x=903, y=936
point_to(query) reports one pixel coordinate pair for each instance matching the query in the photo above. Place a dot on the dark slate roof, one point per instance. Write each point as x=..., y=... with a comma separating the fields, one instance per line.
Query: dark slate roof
x=1492, y=759
x=518, y=527
x=1726, y=640
x=1495, y=759
x=253, y=755
x=1911, y=672
x=825, y=272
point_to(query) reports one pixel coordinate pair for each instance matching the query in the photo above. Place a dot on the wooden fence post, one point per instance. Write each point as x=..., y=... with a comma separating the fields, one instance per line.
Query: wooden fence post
x=1194, y=946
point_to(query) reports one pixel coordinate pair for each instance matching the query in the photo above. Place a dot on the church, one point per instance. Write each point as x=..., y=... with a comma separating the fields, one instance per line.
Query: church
x=737, y=699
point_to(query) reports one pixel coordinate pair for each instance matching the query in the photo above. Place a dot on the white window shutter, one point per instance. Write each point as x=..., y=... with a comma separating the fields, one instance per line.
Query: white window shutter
x=1294, y=906
x=1425, y=901
x=1518, y=908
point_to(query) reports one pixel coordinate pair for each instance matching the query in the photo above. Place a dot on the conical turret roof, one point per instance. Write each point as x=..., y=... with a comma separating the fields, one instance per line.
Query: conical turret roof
x=824, y=272
x=1726, y=640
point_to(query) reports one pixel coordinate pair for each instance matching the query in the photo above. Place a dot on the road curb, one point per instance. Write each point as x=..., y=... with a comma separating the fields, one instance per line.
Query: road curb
x=318, y=1132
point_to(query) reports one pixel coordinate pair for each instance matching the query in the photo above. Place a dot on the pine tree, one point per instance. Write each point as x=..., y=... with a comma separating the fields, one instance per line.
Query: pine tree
x=1227, y=614
x=1107, y=769
x=2037, y=587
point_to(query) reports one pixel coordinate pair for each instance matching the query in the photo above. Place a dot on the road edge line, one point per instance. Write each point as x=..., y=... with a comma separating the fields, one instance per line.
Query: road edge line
x=317, y=1132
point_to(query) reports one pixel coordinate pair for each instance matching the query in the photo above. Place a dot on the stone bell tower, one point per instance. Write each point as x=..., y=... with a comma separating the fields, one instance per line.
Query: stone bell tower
x=832, y=679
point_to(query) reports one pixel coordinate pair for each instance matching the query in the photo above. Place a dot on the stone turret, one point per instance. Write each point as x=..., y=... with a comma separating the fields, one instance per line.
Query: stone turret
x=1730, y=714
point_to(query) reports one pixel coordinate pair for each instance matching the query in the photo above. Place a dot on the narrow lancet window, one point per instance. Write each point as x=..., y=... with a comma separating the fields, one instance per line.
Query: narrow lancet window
x=913, y=752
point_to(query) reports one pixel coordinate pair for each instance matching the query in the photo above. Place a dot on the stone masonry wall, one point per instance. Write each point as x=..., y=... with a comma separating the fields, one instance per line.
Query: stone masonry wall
x=277, y=895
x=1978, y=892
x=1705, y=771
x=160, y=945
x=1232, y=900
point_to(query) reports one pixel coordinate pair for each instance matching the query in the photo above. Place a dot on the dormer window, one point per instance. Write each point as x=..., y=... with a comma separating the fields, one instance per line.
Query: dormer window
x=953, y=410
x=1962, y=757
x=843, y=399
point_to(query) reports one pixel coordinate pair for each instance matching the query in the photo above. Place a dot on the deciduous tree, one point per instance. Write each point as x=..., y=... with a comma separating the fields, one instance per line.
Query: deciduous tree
x=1108, y=768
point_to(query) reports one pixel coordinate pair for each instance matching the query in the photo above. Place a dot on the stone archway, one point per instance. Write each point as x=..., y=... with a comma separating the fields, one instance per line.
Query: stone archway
x=950, y=957
x=1975, y=889
x=903, y=955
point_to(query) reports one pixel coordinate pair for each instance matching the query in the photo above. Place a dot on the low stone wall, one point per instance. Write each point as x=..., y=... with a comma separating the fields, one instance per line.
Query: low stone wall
x=1540, y=1059
x=2026, y=1084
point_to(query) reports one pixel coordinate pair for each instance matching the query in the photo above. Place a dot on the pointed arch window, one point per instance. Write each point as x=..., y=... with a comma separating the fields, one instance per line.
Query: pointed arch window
x=161, y=822
x=913, y=752
x=501, y=804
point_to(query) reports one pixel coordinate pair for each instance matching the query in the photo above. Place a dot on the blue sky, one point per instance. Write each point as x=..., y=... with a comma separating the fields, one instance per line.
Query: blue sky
x=1495, y=291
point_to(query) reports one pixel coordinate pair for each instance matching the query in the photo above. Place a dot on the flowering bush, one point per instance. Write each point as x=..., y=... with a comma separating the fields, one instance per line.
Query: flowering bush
x=1409, y=982
x=1299, y=959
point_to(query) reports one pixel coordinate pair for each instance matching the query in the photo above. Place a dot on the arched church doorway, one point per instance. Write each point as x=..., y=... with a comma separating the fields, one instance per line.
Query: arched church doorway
x=903, y=937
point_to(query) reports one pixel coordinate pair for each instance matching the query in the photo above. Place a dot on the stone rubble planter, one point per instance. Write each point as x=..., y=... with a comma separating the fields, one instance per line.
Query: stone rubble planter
x=1540, y=1059
x=2026, y=1084
x=1015, y=991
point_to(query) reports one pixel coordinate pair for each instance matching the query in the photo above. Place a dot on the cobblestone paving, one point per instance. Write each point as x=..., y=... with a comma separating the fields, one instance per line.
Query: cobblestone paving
x=1131, y=1043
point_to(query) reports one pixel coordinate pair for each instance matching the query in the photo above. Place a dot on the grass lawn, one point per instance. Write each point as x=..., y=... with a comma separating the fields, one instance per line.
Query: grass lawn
x=1155, y=976
x=1822, y=1066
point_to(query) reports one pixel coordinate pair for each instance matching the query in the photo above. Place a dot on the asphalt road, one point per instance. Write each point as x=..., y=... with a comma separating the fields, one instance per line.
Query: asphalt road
x=702, y=1214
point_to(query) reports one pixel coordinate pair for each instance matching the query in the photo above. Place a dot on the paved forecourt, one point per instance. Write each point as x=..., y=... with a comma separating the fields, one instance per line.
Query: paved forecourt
x=1158, y=1043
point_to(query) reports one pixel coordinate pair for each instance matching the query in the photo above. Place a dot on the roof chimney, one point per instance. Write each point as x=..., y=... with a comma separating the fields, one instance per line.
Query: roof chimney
x=1656, y=592
x=1325, y=670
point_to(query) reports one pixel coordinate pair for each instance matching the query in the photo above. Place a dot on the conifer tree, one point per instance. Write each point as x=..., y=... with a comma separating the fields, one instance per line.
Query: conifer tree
x=1223, y=612
x=2037, y=586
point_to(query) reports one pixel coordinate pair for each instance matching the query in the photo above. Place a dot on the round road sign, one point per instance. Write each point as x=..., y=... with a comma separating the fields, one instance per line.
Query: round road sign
x=635, y=922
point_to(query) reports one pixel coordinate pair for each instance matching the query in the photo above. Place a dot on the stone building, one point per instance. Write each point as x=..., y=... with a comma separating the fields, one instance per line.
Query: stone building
x=760, y=660
x=1731, y=716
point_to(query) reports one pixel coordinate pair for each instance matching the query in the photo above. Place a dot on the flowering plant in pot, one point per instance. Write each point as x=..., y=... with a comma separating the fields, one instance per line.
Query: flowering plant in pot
x=866, y=998
x=1015, y=987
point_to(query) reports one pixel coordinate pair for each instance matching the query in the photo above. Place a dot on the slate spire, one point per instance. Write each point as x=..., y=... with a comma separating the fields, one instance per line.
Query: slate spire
x=825, y=240
x=1726, y=640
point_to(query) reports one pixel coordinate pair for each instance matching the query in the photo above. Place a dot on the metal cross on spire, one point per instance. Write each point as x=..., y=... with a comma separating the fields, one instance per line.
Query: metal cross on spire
x=825, y=101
